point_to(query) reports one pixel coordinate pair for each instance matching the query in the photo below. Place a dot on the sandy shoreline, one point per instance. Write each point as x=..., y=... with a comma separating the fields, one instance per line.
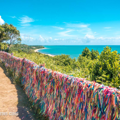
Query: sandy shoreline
x=36, y=50
x=43, y=53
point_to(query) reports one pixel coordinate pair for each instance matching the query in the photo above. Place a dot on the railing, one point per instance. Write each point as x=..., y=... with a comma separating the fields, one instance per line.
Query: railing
x=64, y=97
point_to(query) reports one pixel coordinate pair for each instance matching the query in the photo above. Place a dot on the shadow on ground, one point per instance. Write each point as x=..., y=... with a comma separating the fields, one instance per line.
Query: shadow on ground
x=25, y=112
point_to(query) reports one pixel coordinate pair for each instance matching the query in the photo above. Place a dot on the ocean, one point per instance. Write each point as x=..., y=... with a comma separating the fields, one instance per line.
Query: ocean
x=74, y=50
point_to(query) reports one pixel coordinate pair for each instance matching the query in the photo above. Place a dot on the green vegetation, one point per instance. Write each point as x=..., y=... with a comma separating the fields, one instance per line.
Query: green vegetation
x=19, y=48
x=3, y=46
x=24, y=48
x=103, y=68
x=93, y=54
x=107, y=68
x=9, y=33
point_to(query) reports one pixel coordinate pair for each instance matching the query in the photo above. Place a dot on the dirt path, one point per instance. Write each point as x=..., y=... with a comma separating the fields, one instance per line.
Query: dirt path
x=13, y=101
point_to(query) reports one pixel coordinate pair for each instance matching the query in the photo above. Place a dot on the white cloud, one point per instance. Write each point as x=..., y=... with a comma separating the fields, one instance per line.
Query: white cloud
x=56, y=39
x=60, y=28
x=117, y=33
x=24, y=25
x=91, y=40
x=13, y=16
x=65, y=33
x=45, y=39
x=78, y=25
x=35, y=39
x=41, y=38
x=100, y=38
x=107, y=28
x=85, y=31
x=25, y=37
x=1, y=21
x=25, y=21
x=59, y=39
x=50, y=38
x=111, y=38
x=89, y=36
x=76, y=34
x=81, y=28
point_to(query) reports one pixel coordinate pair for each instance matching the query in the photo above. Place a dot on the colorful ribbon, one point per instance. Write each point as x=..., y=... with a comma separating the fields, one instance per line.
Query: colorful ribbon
x=63, y=97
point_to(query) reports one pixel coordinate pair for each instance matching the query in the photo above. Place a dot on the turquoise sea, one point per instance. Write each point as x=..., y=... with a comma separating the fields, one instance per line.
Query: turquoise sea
x=74, y=50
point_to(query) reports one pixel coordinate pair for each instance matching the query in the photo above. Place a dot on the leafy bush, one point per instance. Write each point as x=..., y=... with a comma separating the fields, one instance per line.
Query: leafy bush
x=103, y=68
x=90, y=54
x=24, y=48
x=107, y=68
x=3, y=46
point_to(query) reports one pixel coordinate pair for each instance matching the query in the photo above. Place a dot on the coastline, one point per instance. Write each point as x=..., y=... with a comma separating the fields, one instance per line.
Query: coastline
x=36, y=50
x=44, y=53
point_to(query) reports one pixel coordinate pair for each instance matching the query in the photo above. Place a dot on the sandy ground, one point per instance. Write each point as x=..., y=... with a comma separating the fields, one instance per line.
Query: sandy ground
x=13, y=101
x=36, y=50
x=43, y=53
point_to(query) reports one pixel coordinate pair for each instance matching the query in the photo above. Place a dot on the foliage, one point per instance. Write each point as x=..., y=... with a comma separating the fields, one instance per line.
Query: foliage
x=94, y=54
x=107, y=68
x=9, y=32
x=63, y=60
x=24, y=48
x=35, y=46
x=103, y=68
x=54, y=63
x=90, y=54
x=86, y=65
x=86, y=52
x=3, y=46
x=3, y=35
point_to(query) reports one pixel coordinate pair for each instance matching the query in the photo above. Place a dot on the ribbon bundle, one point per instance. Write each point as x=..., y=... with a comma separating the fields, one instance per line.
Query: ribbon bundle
x=64, y=97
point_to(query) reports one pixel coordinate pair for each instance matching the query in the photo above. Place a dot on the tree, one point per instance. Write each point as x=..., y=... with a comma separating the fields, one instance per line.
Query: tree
x=94, y=54
x=86, y=52
x=9, y=33
x=3, y=36
x=3, y=46
x=63, y=60
x=107, y=68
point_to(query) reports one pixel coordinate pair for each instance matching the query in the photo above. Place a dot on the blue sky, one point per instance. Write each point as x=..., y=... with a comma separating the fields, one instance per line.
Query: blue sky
x=64, y=22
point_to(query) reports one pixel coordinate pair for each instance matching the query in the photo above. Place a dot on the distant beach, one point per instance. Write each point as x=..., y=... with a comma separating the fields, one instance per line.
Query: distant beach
x=43, y=53
x=36, y=50
x=73, y=50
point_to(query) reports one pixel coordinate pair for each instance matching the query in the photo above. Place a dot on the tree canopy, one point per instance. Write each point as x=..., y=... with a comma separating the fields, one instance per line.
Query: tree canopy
x=103, y=68
x=9, y=32
x=90, y=54
x=86, y=52
x=107, y=69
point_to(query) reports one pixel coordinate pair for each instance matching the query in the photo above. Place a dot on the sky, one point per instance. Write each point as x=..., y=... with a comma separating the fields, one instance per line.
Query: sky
x=64, y=22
